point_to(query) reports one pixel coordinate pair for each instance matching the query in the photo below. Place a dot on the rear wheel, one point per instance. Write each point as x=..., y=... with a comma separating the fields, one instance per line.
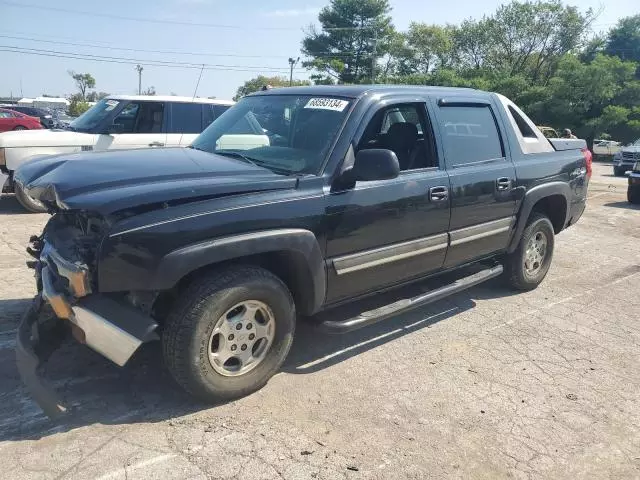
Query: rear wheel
x=20, y=127
x=633, y=195
x=29, y=203
x=229, y=333
x=529, y=263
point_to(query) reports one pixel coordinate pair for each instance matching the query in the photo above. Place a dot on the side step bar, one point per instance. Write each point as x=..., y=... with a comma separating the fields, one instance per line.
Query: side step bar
x=373, y=316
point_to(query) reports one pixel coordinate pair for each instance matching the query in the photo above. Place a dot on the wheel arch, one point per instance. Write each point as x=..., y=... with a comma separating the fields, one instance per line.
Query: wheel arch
x=551, y=199
x=293, y=255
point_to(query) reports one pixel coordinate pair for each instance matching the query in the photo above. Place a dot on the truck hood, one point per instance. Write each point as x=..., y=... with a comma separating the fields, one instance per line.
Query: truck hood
x=45, y=138
x=106, y=182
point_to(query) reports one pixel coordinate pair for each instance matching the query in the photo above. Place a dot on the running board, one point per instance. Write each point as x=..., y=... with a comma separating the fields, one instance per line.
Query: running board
x=373, y=316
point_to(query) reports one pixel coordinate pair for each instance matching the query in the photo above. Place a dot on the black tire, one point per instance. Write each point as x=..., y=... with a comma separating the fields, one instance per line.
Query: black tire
x=20, y=127
x=516, y=273
x=617, y=171
x=633, y=195
x=27, y=202
x=188, y=329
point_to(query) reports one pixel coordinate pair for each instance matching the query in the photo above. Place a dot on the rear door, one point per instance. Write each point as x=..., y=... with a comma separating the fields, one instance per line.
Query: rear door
x=482, y=178
x=184, y=123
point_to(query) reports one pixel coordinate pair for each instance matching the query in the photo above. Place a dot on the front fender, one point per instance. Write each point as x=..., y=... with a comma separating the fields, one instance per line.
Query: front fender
x=300, y=245
x=530, y=199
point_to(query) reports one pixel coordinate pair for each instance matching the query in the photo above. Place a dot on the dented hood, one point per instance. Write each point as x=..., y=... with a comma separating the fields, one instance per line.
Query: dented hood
x=106, y=182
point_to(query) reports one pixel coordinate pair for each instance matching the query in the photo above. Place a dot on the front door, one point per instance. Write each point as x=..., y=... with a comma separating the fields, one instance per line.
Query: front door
x=138, y=125
x=482, y=180
x=385, y=232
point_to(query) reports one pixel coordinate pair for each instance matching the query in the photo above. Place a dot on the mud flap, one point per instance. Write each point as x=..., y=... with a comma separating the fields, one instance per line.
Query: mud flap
x=31, y=350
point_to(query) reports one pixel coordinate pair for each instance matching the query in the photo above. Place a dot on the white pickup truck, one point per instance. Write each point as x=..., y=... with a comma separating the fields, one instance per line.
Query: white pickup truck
x=115, y=122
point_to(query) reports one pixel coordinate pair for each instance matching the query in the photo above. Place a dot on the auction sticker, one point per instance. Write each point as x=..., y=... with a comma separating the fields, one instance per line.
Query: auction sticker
x=334, y=104
x=111, y=104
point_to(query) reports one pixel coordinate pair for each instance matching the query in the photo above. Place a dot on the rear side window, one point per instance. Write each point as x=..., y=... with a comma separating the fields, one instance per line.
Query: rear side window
x=523, y=126
x=185, y=118
x=469, y=134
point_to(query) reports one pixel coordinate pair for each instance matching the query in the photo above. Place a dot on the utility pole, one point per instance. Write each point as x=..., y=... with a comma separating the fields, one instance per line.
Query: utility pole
x=139, y=69
x=292, y=63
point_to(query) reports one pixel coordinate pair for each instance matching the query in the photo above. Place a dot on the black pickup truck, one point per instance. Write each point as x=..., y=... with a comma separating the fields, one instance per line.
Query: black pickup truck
x=293, y=202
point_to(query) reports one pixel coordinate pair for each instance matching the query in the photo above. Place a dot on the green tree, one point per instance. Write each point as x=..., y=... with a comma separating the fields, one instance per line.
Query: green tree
x=473, y=43
x=530, y=37
x=354, y=35
x=593, y=98
x=430, y=47
x=84, y=82
x=260, y=81
x=149, y=91
x=77, y=105
x=624, y=40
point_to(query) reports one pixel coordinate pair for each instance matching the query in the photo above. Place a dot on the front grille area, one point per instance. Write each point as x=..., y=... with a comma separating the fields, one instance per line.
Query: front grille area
x=631, y=155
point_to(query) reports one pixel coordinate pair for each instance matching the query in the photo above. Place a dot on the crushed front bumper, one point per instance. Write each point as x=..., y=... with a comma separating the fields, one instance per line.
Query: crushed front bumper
x=30, y=353
x=111, y=327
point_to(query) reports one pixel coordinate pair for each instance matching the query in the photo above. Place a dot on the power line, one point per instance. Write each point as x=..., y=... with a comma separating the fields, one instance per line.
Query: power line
x=160, y=21
x=143, y=61
x=232, y=68
x=136, y=19
x=89, y=44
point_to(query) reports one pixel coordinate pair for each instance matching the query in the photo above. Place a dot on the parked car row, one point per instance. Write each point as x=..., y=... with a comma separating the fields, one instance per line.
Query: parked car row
x=115, y=122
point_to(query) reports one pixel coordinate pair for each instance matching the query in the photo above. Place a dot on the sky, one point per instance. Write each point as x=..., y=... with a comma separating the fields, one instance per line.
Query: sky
x=247, y=38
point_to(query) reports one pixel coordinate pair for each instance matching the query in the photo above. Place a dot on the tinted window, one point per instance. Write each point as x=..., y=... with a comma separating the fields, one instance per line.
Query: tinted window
x=523, y=126
x=470, y=135
x=185, y=118
x=140, y=117
x=211, y=112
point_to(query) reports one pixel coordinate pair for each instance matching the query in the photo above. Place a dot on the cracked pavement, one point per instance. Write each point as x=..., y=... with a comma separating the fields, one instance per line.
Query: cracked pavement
x=486, y=384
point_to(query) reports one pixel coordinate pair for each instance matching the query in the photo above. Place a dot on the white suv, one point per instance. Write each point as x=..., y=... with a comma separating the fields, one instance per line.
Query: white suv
x=118, y=121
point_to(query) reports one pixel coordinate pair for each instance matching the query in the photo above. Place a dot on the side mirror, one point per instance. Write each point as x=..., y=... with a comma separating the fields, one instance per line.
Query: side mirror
x=115, y=128
x=375, y=164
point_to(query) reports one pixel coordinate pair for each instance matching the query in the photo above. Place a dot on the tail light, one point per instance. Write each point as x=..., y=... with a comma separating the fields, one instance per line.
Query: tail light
x=588, y=158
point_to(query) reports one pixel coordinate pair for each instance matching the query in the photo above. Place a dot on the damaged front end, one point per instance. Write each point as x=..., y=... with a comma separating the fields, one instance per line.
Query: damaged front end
x=67, y=301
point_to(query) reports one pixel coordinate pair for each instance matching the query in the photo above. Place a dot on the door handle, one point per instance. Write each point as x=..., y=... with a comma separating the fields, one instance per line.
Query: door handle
x=156, y=144
x=503, y=184
x=438, y=194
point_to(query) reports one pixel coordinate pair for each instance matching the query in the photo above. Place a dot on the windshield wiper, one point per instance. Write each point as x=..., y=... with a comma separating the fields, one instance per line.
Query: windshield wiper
x=238, y=155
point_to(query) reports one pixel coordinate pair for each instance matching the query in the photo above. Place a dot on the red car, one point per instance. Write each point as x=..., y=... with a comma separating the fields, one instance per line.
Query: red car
x=10, y=120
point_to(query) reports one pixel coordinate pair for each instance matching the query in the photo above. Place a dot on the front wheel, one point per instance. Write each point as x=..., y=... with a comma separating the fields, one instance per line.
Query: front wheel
x=229, y=333
x=20, y=127
x=633, y=195
x=29, y=203
x=527, y=266
x=618, y=171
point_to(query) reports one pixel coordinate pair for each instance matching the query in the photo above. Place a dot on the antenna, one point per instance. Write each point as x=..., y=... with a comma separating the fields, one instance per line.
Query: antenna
x=198, y=84
x=193, y=99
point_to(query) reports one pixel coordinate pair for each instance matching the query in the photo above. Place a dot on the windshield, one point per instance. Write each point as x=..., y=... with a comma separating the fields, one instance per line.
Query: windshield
x=286, y=133
x=95, y=115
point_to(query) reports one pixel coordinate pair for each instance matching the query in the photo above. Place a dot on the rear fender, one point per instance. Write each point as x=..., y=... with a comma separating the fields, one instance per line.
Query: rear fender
x=301, y=244
x=530, y=199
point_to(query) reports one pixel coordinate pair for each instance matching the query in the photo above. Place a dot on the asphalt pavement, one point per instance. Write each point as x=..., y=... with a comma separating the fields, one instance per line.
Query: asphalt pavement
x=487, y=384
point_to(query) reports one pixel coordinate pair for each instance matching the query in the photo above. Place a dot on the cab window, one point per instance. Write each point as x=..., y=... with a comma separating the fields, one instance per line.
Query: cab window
x=404, y=129
x=140, y=117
